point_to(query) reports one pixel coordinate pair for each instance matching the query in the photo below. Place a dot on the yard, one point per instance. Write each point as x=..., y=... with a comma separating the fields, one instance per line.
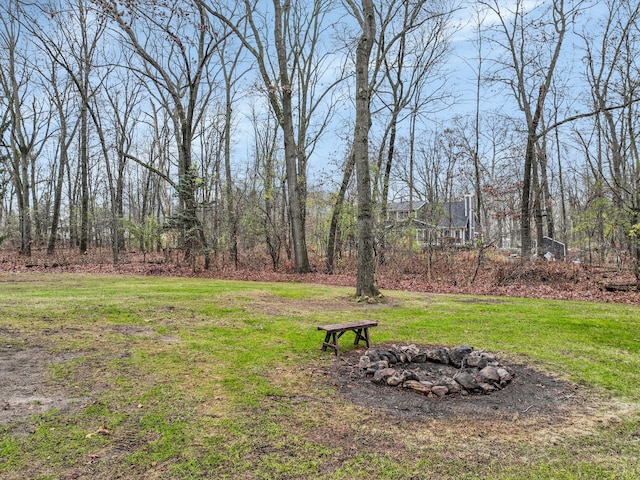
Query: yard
x=112, y=376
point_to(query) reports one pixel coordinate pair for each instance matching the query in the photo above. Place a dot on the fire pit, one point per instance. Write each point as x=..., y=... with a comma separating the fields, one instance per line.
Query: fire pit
x=436, y=371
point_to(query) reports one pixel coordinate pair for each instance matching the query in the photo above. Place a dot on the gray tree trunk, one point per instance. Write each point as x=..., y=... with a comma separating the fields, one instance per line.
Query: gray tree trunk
x=296, y=189
x=337, y=210
x=365, y=286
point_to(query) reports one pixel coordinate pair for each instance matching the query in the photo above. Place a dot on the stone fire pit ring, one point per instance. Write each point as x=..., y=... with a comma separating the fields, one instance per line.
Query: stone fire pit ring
x=436, y=371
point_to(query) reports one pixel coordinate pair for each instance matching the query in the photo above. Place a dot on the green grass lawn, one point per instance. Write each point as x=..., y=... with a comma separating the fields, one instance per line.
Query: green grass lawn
x=190, y=378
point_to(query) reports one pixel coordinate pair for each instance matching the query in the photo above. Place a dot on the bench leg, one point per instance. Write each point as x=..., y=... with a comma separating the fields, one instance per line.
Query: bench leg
x=358, y=336
x=326, y=343
x=331, y=340
x=362, y=334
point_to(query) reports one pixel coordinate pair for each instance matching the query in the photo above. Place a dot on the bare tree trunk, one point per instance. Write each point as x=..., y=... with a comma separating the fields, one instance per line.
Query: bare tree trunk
x=476, y=147
x=384, y=200
x=515, y=32
x=272, y=238
x=63, y=160
x=545, y=190
x=57, y=202
x=365, y=286
x=295, y=36
x=529, y=164
x=228, y=69
x=25, y=211
x=537, y=205
x=337, y=210
x=84, y=180
x=20, y=146
x=296, y=189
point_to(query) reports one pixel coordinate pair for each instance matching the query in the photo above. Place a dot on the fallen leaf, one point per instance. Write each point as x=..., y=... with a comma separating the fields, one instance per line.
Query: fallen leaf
x=102, y=430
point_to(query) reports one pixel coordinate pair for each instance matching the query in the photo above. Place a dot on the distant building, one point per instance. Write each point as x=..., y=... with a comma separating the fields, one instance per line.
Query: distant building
x=553, y=249
x=448, y=223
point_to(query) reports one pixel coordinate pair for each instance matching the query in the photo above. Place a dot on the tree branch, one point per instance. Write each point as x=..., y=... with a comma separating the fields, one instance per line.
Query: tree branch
x=583, y=115
x=151, y=168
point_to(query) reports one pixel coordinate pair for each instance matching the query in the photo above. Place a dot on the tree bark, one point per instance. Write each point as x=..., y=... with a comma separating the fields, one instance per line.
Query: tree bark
x=64, y=143
x=337, y=210
x=365, y=286
x=296, y=189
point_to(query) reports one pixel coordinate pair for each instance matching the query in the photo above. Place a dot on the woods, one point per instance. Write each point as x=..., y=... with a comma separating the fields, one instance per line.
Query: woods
x=279, y=132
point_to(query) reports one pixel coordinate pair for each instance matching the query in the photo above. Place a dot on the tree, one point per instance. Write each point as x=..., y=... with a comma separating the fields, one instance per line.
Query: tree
x=122, y=109
x=612, y=71
x=4, y=173
x=269, y=179
x=76, y=51
x=175, y=50
x=365, y=15
x=412, y=47
x=61, y=99
x=231, y=76
x=290, y=75
x=349, y=166
x=521, y=32
x=28, y=119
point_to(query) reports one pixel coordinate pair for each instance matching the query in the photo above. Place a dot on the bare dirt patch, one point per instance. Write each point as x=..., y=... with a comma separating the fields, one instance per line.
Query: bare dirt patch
x=530, y=393
x=25, y=388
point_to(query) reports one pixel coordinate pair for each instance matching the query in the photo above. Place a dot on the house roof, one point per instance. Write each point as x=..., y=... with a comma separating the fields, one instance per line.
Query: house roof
x=405, y=206
x=447, y=215
x=454, y=215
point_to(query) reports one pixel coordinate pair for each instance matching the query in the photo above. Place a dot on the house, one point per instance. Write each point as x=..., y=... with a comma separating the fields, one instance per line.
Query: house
x=449, y=223
x=553, y=249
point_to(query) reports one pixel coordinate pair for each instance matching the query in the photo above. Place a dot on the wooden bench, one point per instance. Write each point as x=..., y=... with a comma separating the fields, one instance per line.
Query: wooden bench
x=334, y=332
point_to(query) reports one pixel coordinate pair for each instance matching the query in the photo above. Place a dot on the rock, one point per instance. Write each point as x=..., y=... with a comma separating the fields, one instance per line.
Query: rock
x=458, y=354
x=489, y=374
x=423, y=387
x=381, y=375
x=438, y=355
x=454, y=387
x=410, y=350
x=505, y=376
x=486, y=387
x=389, y=357
x=476, y=360
x=473, y=360
x=373, y=354
x=410, y=375
x=396, y=379
x=440, y=390
x=372, y=368
x=478, y=372
x=466, y=380
x=490, y=359
x=364, y=363
x=419, y=358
